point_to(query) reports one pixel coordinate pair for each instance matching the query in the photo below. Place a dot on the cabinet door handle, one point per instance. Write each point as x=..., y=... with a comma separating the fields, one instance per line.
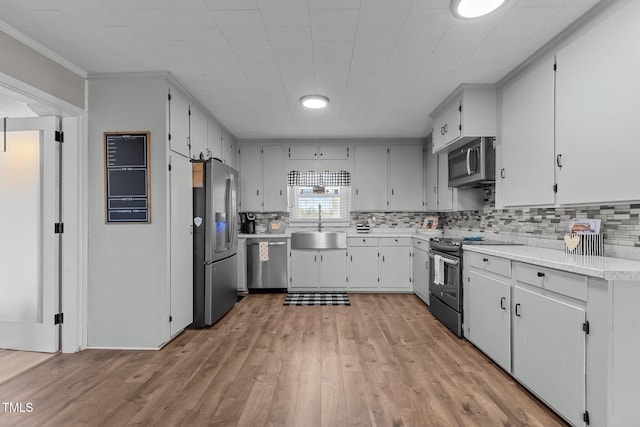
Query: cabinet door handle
x=281, y=192
x=485, y=259
x=356, y=191
x=321, y=258
x=351, y=258
x=540, y=274
x=503, y=301
x=392, y=192
x=435, y=189
x=257, y=192
x=315, y=258
x=518, y=313
x=502, y=173
x=382, y=258
x=426, y=265
x=446, y=128
x=442, y=130
x=559, y=160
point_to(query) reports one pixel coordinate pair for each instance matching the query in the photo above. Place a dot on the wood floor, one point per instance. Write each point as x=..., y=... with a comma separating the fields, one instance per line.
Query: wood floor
x=383, y=361
x=14, y=362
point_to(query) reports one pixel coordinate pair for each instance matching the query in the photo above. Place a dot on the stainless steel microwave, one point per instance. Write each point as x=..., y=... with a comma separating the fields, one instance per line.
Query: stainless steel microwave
x=473, y=164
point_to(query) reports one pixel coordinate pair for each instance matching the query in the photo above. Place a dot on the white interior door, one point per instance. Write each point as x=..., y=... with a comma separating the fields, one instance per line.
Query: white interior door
x=29, y=246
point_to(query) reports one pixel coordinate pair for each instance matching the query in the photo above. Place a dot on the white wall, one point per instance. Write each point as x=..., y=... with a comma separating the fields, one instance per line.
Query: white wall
x=128, y=283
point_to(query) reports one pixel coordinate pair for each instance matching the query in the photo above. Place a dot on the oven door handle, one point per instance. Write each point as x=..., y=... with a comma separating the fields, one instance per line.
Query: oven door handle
x=450, y=261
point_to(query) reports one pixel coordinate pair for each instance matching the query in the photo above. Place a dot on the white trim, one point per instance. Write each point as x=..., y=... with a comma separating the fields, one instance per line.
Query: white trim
x=42, y=50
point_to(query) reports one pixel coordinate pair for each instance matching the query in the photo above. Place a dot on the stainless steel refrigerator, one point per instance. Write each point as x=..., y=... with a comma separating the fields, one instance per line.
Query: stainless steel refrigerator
x=215, y=240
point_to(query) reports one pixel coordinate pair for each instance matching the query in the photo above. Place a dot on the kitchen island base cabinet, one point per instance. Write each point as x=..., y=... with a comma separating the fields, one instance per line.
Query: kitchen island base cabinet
x=549, y=350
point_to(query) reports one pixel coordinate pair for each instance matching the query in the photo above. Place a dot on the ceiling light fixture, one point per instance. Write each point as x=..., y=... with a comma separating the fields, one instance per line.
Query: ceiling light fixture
x=471, y=9
x=314, y=102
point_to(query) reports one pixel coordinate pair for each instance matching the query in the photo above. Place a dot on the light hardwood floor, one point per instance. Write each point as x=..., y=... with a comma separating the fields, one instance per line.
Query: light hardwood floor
x=14, y=362
x=382, y=361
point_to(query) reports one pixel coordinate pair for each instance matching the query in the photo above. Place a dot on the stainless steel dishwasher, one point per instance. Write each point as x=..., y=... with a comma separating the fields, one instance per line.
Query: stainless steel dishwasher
x=267, y=265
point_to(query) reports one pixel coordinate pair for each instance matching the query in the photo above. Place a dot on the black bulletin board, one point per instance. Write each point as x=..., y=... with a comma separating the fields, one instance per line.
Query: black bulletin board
x=126, y=177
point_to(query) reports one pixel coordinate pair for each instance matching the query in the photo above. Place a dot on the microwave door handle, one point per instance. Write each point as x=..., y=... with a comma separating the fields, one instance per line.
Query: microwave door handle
x=468, y=161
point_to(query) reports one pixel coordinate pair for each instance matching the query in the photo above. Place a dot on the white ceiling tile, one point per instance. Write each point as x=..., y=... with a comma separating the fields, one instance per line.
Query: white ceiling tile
x=290, y=39
x=384, y=12
x=149, y=25
x=332, y=51
x=333, y=24
x=334, y=4
x=128, y=4
x=524, y=22
x=430, y=4
x=204, y=39
x=427, y=23
x=249, y=52
x=385, y=64
x=221, y=62
x=241, y=24
x=414, y=50
x=295, y=62
x=377, y=37
x=231, y=4
x=284, y=13
x=185, y=13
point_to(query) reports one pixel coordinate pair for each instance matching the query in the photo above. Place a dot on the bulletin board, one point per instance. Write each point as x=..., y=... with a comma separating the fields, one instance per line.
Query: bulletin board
x=126, y=177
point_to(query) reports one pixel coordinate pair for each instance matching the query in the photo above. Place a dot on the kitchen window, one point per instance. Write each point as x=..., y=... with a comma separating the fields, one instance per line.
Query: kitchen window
x=310, y=199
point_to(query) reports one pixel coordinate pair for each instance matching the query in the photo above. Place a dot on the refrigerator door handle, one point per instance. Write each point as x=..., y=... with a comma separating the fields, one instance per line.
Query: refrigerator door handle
x=232, y=210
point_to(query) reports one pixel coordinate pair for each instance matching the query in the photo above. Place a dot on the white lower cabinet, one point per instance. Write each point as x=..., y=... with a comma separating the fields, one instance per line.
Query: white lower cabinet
x=363, y=264
x=489, y=315
x=421, y=269
x=531, y=324
x=549, y=350
x=380, y=264
x=395, y=263
x=324, y=269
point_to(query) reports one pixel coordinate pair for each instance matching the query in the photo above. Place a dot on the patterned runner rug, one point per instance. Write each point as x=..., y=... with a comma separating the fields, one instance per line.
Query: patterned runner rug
x=341, y=298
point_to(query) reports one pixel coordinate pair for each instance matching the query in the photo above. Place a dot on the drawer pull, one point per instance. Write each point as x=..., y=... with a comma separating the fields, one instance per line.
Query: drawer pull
x=503, y=302
x=485, y=259
x=517, y=310
x=540, y=274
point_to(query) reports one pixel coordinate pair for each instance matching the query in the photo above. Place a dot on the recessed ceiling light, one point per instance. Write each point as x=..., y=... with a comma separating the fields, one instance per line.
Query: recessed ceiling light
x=470, y=9
x=314, y=102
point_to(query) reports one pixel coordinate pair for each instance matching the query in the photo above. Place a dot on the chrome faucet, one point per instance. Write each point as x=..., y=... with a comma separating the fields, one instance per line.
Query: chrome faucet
x=319, y=217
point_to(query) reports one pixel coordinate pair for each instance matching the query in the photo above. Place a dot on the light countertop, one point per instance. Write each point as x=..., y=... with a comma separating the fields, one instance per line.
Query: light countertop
x=351, y=232
x=601, y=267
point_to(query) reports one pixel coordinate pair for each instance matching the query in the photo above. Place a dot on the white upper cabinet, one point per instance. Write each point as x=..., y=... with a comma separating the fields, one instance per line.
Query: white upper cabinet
x=370, y=188
x=430, y=179
x=229, y=150
x=405, y=187
x=597, y=111
x=178, y=122
x=262, y=179
x=251, y=179
x=466, y=114
x=214, y=140
x=318, y=152
x=274, y=179
x=198, y=134
x=525, y=172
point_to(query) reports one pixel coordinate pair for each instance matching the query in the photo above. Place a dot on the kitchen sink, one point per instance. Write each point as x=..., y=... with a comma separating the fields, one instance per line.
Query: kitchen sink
x=319, y=240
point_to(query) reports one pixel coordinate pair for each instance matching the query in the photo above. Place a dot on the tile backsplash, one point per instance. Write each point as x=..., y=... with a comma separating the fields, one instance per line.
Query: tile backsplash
x=620, y=224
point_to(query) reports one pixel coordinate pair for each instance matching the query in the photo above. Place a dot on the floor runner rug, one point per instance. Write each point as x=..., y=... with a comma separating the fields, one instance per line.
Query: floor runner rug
x=341, y=298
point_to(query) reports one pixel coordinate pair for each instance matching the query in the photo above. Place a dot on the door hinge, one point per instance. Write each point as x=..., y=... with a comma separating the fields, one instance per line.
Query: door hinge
x=347, y=280
x=289, y=152
x=169, y=96
x=170, y=319
x=586, y=327
x=555, y=188
x=58, y=228
x=585, y=417
x=169, y=135
x=169, y=166
x=58, y=318
x=555, y=66
x=460, y=128
x=59, y=136
x=460, y=108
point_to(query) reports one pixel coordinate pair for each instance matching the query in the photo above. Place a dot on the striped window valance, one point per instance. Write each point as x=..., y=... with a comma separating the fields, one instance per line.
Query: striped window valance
x=311, y=178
